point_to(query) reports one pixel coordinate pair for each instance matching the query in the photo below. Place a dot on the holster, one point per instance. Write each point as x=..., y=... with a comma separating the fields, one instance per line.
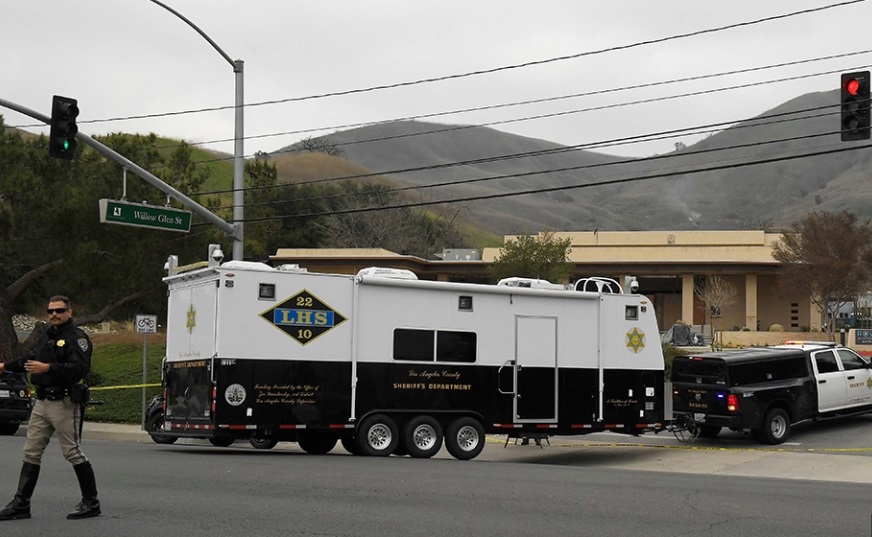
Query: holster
x=80, y=393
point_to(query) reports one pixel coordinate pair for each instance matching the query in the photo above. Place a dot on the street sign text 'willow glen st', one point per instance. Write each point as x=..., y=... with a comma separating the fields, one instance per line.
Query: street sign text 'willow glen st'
x=142, y=215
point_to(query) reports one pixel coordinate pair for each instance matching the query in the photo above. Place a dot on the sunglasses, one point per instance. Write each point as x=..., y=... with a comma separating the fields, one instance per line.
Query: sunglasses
x=56, y=310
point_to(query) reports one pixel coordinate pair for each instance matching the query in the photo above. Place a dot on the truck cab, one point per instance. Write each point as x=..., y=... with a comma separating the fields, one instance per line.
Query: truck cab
x=767, y=389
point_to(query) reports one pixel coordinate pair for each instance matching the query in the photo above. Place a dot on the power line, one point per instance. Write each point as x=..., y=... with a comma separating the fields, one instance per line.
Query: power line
x=701, y=129
x=608, y=182
x=485, y=71
x=537, y=101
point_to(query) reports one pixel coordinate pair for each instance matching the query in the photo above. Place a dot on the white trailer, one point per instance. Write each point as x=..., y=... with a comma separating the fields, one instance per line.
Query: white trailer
x=389, y=364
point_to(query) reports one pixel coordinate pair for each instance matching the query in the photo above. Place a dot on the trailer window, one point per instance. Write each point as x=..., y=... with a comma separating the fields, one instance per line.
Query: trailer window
x=455, y=346
x=417, y=345
x=410, y=344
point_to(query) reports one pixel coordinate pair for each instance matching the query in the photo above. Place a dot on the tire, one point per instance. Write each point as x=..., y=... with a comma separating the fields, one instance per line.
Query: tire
x=221, y=441
x=464, y=438
x=775, y=428
x=154, y=426
x=377, y=436
x=709, y=431
x=349, y=443
x=422, y=437
x=317, y=443
x=267, y=442
x=8, y=429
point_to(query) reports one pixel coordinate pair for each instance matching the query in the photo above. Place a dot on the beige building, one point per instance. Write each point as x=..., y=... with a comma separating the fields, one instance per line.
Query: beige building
x=666, y=264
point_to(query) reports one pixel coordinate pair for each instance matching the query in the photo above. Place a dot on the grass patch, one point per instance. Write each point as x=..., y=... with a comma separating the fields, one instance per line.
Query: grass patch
x=117, y=363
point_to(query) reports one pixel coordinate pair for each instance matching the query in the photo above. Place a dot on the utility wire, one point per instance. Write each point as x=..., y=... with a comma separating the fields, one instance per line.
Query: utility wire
x=531, y=101
x=700, y=129
x=490, y=70
x=608, y=182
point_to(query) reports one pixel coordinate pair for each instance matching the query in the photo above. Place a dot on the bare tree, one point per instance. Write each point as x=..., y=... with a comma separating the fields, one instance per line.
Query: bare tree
x=827, y=257
x=717, y=294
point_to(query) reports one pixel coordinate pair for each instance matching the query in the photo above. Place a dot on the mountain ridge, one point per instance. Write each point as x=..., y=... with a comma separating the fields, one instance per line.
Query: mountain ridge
x=495, y=164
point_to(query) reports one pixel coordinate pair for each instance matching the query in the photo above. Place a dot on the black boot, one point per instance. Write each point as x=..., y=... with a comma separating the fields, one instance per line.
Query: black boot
x=19, y=507
x=90, y=505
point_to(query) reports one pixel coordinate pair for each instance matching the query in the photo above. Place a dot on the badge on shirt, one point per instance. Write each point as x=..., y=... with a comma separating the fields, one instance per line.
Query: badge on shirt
x=83, y=344
x=61, y=343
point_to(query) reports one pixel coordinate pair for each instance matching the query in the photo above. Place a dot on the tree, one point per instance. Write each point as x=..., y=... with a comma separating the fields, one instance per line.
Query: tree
x=52, y=242
x=320, y=145
x=716, y=294
x=829, y=257
x=540, y=256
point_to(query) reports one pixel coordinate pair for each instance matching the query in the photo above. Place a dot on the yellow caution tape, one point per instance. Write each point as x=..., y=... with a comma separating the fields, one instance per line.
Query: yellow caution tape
x=100, y=388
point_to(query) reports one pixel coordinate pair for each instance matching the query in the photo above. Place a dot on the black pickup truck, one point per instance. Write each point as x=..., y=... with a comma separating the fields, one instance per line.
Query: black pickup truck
x=767, y=389
x=15, y=402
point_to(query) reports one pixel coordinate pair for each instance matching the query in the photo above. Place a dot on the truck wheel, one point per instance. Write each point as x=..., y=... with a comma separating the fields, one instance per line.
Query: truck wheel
x=464, y=438
x=8, y=429
x=422, y=436
x=377, y=436
x=316, y=443
x=775, y=428
x=221, y=441
x=268, y=442
x=154, y=427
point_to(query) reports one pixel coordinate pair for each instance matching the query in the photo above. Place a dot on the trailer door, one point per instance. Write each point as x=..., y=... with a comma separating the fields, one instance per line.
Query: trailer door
x=535, y=368
x=191, y=346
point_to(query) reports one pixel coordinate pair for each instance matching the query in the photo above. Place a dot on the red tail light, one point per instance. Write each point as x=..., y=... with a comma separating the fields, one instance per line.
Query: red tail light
x=732, y=403
x=214, y=396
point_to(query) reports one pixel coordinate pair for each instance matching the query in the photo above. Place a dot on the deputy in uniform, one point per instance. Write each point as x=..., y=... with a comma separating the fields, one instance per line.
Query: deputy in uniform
x=57, y=369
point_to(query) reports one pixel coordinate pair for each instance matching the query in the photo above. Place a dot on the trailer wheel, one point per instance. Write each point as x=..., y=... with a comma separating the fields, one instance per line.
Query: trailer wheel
x=422, y=437
x=464, y=438
x=316, y=443
x=268, y=442
x=377, y=436
x=154, y=426
x=221, y=441
x=349, y=443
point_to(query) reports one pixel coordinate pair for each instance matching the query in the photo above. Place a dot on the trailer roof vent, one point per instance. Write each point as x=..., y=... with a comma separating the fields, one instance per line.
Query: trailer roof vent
x=392, y=273
x=291, y=267
x=529, y=283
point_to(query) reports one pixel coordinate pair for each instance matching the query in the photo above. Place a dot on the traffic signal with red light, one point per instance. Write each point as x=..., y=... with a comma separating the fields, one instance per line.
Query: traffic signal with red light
x=855, y=106
x=62, y=137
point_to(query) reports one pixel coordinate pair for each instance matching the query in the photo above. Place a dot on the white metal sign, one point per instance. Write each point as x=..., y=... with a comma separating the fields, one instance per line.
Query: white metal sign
x=146, y=324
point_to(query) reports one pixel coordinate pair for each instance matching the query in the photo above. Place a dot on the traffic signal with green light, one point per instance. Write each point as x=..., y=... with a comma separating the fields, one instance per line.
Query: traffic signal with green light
x=62, y=137
x=855, y=106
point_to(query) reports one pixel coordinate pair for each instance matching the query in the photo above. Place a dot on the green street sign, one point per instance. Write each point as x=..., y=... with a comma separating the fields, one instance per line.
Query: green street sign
x=142, y=215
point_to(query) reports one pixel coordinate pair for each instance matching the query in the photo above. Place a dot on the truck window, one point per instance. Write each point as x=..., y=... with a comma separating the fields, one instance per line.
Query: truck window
x=826, y=362
x=699, y=371
x=851, y=360
x=767, y=371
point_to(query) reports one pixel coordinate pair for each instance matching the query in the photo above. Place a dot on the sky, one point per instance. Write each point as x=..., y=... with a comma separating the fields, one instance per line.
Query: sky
x=126, y=58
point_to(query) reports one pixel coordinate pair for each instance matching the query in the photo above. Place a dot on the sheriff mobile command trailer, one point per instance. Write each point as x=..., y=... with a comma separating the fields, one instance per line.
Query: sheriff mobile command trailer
x=389, y=364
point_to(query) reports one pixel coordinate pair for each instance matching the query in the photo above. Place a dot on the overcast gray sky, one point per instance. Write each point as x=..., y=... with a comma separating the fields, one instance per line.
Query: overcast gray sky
x=127, y=58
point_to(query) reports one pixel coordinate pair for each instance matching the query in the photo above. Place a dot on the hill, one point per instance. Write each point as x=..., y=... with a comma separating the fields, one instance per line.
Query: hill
x=495, y=163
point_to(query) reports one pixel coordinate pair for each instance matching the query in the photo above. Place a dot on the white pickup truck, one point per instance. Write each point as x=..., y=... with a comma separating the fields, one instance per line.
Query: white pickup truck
x=767, y=389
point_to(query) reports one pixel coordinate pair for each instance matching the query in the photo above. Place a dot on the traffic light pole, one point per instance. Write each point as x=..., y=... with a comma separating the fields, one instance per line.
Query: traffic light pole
x=232, y=230
x=239, y=136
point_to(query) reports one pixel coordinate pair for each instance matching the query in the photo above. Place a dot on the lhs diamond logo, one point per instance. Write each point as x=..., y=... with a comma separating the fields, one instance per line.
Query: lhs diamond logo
x=304, y=317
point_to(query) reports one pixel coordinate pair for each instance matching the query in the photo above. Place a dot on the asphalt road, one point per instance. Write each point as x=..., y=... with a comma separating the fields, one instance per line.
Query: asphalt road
x=599, y=485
